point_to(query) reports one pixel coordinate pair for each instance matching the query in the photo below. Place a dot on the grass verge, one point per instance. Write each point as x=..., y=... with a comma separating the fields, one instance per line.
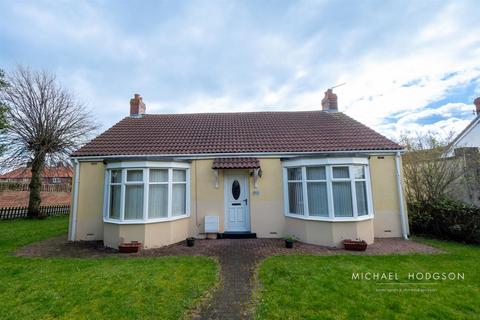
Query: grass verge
x=321, y=287
x=107, y=288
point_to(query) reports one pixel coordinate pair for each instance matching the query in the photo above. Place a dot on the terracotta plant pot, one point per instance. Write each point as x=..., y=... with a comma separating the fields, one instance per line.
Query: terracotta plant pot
x=130, y=247
x=190, y=242
x=355, y=245
x=289, y=244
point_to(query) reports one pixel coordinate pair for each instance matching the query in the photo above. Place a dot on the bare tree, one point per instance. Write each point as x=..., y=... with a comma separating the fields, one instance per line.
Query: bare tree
x=428, y=171
x=3, y=111
x=46, y=124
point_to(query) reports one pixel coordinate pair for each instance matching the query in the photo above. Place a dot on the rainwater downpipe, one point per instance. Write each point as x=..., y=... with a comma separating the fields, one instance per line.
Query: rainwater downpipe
x=73, y=230
x=403, y=214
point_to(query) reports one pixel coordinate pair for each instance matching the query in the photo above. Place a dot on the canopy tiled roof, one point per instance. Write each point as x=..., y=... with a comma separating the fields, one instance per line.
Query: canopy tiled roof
x=236, y=163
x=248, y=132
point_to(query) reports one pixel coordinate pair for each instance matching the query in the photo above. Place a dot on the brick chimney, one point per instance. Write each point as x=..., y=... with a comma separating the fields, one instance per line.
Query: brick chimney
x=330, y=101
x=137, y=107
x=476, y=102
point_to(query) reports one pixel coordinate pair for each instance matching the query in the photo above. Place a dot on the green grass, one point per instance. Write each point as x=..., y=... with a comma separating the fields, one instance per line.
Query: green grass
x=313, y=287
x=107, y=288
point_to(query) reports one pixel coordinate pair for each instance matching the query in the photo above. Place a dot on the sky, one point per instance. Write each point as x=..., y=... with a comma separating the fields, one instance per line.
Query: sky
x=409, y=66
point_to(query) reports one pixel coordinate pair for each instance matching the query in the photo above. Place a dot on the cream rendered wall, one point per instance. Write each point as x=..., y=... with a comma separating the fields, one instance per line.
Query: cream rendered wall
x=330, y=234
x=151, y=235
x=206, y=199
x=362, y=230
x=266, y=209
x=90, y=201
x=387, y=221
x=266, y=205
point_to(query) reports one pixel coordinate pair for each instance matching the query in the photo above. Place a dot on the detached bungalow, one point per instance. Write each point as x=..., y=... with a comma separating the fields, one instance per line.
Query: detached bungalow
x=160, y=178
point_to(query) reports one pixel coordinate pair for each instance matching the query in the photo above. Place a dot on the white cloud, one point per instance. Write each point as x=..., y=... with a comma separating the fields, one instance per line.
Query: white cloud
x=397, y=58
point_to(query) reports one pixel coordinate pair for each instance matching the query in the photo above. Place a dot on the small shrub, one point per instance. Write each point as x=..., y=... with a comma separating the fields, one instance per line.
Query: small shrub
x=447, y=219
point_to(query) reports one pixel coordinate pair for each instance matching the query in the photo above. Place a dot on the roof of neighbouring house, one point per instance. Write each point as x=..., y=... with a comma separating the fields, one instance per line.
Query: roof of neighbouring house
x=475, y=122
x=248, y=132
x=48, y=172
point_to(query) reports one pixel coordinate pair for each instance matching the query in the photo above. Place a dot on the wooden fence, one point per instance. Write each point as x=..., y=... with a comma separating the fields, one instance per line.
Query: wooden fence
x=15, y=186
x=21, y=212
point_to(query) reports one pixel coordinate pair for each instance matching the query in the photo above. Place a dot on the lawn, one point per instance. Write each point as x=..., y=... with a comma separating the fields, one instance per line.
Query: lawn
x=313, y=287
x=108, y=288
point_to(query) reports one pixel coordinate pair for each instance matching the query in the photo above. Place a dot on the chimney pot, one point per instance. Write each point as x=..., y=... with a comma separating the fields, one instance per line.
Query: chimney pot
x=330, y=101
x=476, y=102
x=137, y=107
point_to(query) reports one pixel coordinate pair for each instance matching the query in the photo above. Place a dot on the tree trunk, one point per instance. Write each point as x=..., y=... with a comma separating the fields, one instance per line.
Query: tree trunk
x=36, y=186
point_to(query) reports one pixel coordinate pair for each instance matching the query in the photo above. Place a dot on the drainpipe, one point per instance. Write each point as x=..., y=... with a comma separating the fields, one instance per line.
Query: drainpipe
x=403, y=214
x=73, y=230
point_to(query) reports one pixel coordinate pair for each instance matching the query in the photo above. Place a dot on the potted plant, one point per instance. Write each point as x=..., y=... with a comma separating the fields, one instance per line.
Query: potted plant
x=190, y=241
x=129, y=247
x=289, y=240
x=355, y=245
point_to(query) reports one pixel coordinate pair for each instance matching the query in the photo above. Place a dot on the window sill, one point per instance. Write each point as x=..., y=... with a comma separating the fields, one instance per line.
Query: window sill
x=160, y=220
x=328, y=219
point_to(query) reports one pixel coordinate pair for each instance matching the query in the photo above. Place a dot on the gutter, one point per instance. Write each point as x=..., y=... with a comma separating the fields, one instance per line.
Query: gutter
x=403, y=213
x=73, y=229
x=194, y=156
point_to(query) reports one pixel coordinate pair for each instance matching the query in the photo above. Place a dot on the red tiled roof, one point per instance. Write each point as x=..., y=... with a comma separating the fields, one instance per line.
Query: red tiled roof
x=249, y=132
x=235, y=163
x=48, y=172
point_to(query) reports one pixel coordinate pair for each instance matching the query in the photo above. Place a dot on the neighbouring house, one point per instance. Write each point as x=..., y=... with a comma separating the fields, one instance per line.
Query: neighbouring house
x=465, y=149
x=470, y=136
x=59, y=174
x=160, y=178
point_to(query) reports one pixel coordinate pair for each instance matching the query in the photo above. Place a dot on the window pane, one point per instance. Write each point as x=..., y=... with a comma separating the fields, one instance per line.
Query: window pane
x=158, y=175
x=179, y=199
x=342, y=199
x=133, y=202
x=115, y=194
x=361, y=192
x=179, y=176
x=316, y=173
x=317, y=199
x=158, y=201
x=134, y=175
x=236, y=190
x=359, y=172
x=340, y=172
x=116, y=176
x=295, y=197
x=294, y=173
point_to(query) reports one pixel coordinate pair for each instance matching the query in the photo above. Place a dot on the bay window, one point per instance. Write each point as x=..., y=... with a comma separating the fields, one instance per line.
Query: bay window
x=146, y=194
x=327, y=189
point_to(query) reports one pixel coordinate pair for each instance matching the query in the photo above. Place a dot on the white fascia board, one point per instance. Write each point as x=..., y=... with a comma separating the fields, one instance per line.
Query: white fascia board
x=147, y=164
x=324, y=161
x=228, y=155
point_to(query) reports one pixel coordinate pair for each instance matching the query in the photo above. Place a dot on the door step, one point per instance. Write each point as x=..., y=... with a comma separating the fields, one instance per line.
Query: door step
x=236, y=235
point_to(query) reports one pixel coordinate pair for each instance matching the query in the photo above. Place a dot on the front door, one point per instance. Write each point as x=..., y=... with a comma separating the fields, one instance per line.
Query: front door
x=237, y=218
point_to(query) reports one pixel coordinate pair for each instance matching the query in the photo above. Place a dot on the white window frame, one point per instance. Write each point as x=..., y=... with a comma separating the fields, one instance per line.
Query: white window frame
x=329, y=163
x=145, y=166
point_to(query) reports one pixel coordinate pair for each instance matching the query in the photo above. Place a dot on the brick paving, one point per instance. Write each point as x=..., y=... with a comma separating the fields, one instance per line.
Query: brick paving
x=238, y=259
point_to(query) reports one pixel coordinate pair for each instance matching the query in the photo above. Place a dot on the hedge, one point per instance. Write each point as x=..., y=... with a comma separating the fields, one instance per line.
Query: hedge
x=446, y=219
